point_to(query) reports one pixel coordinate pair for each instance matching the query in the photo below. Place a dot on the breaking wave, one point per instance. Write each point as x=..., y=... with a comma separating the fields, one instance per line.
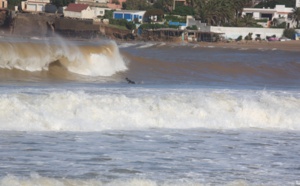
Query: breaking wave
x=35, y=179
x=135, y=109
x=96, y=59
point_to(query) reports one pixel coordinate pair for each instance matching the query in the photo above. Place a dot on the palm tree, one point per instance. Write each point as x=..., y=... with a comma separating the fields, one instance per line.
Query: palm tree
x=216, y=12
x=238, y=6
x=247, y=21
x=296, y=16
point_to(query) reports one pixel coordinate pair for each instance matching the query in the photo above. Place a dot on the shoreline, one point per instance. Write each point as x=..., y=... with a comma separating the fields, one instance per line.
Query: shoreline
x=292, y=45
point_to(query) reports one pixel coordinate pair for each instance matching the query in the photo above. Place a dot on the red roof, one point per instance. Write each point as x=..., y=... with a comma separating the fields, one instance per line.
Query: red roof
x=76, y=7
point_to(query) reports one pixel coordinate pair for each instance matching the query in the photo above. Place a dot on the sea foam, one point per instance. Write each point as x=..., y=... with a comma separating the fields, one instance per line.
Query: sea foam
x=134, y=109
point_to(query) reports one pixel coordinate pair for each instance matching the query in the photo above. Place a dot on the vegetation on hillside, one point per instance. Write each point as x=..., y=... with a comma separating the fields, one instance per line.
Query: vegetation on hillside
x=212, y=12
x=273, y=3
x=60, y=3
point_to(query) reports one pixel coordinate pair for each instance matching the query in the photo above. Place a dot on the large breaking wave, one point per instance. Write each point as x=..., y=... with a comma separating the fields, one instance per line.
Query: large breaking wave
x=91, y=59
x=132, y=109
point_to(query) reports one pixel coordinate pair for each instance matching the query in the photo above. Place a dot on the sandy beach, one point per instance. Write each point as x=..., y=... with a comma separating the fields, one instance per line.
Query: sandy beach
x=263, y=45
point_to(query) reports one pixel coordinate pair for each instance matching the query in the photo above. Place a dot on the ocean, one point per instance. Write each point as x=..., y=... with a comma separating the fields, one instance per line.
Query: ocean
x=196, y=115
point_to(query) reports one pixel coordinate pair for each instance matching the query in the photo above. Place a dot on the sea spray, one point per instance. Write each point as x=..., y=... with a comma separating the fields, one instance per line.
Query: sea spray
x=91, y=59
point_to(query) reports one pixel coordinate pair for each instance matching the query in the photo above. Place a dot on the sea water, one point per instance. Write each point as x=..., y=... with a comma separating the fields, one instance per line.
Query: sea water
x=196, y=115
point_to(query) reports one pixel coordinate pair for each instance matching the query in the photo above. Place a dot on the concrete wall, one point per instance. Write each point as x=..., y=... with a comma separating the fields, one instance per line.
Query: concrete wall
x=98, y=11
x=72, y=14
x=235, y=32
x=85, y=14
x=88, y=14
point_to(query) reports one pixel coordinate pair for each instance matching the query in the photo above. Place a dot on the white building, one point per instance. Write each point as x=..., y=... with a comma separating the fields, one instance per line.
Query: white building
x=3, y=4
x=129, y=15
x=297, y=3
x=34, y=5
x=279, y=12
x=81, y=11
x=99, y=11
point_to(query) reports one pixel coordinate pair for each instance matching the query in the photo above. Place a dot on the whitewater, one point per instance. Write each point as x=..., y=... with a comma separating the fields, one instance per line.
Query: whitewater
x=196, y=115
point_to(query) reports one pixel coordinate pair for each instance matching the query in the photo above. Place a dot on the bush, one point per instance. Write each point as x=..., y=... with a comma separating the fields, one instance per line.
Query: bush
x=239, y=38
x=289, y=33
x=194, y=27
x=175, y=19
x=123, y=22
x=153, y=26
x=183, y=11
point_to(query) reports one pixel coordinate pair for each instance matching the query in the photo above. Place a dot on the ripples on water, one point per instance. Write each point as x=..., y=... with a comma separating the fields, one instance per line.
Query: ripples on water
x=161, y=156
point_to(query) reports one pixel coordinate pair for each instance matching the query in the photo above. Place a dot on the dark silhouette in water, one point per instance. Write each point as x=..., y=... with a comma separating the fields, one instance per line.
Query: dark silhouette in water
x=129, y=81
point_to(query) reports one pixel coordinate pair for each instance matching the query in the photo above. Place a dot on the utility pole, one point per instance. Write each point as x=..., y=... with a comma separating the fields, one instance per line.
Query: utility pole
x=174, y=1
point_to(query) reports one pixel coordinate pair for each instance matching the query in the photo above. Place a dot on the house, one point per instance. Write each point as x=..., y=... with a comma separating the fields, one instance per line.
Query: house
x=3, y=4
x=297, y=4
x=81, y=11
x=279, y=12
x=129, y=15
x=99, y=11
x=34, y=5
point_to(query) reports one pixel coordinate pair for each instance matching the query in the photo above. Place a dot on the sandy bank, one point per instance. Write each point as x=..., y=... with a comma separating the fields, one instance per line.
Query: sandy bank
x=263, y=45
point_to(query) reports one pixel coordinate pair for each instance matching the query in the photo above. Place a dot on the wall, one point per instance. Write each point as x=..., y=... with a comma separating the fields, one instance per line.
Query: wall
x=88, y=14
x=72, y=14
x=235, y=32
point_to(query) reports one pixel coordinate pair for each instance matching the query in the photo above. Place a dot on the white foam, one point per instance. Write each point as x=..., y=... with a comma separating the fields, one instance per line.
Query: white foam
x=82, y=111
x=35, y=179
x=126, y=45
x=147, y=45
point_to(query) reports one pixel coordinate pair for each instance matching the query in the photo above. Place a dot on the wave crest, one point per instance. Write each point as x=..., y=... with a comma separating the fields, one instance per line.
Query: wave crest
x=91, y=59
x=82, y=111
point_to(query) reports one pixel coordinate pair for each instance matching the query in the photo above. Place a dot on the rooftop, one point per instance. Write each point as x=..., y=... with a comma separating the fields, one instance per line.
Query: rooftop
x=76, y=7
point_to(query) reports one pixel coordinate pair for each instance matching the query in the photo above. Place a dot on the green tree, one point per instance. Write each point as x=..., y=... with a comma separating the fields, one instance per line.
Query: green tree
x=273, y=3
x=165, y=5
x=183, y=10
x=154, y=12
x=136, y=5
x=216, y=12
x=61, y=3
x=247, y=21
x=296, y=16
x=289, y=33
x=238, y=6
x=13, y=3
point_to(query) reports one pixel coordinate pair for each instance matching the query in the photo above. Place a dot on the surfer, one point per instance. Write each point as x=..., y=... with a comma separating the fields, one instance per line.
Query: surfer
x=129, y=81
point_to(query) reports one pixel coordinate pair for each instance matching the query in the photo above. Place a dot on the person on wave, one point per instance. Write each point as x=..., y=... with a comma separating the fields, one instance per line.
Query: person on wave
x=129, y=81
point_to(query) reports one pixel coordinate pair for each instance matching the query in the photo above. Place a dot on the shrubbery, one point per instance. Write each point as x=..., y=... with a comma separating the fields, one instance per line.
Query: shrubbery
x=122, y=22
x=194, y=27
x=289, y=33
x=175, y=19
